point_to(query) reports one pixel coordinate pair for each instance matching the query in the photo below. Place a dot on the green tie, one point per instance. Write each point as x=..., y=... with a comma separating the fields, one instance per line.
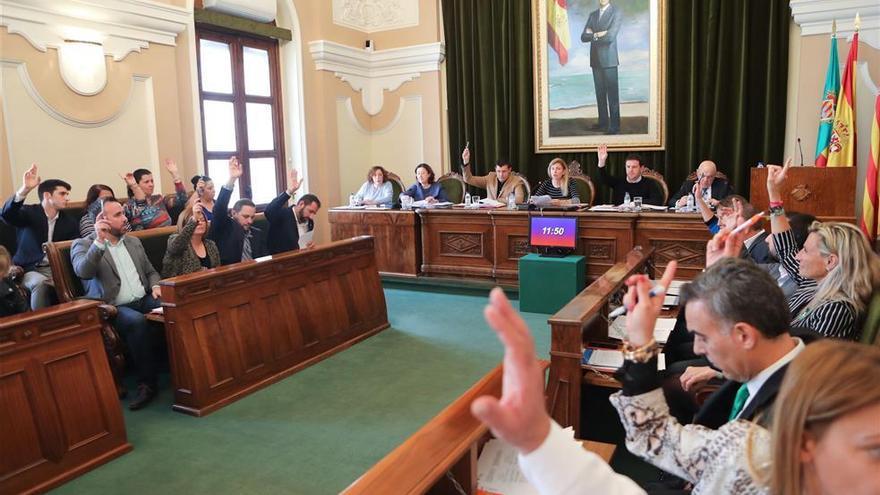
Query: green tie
x=742, y=395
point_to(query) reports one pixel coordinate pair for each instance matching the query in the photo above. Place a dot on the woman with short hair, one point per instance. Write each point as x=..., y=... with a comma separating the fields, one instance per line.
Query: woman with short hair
x=377, y=190
x=426, y=187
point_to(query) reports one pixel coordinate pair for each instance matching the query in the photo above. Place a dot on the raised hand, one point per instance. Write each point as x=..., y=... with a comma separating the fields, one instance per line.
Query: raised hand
x=293, y=181
x=30, y=179
x=518, y=417
x=602, y=154
x=642, y=309
x=724, y=245
x=171, y=167
x=102, y=228
x=466, y=156
x=128, y=179
x=776, y=175
x=198, y=210
x=235, y=170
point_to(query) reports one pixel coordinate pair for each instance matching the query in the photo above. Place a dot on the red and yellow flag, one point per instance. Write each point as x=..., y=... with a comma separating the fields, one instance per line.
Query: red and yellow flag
x=870, y=203
x=557, y=29
x=842, y=150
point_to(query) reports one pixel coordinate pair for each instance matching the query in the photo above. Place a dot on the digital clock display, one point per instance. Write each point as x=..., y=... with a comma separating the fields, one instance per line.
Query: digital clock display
x=560, y=232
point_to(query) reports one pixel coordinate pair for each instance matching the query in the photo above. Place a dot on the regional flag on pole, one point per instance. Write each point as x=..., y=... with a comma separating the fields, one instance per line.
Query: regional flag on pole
x=557, y=28
x=842, y=150
x=870, y=224
x=829, y=105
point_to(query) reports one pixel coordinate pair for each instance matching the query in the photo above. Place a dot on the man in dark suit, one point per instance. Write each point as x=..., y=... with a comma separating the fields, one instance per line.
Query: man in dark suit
x=601, y=32
x=289, y=227
x=740, y=319
x=713, y=189
x=35, y=225
x=236, y=237
x=115, y=269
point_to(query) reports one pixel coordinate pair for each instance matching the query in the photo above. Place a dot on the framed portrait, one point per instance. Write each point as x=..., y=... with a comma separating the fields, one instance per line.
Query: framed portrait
x=599, y=74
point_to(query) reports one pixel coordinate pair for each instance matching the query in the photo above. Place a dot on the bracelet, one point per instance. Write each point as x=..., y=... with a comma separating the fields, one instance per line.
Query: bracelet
x=641, y=354
x=775, y=203
x=776, y=211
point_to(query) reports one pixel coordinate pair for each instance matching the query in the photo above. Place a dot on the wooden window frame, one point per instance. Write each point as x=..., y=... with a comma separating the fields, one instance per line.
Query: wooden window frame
x=237, y=41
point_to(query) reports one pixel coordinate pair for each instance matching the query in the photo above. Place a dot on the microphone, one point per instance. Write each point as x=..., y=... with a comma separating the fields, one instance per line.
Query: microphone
x=801, y=150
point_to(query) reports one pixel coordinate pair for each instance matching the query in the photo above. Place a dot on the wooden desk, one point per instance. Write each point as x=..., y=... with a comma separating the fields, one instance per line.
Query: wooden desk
x=449, y=443
x=235, y=329
x=59, y=414
x=396, y=236
x=488, y=243
x=584, y=318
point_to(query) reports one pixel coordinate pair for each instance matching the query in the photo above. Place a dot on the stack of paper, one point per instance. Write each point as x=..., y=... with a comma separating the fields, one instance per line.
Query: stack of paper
x=609, y=359
x=662, y=329
x=653, y=207
x=498, y=472
x=674, y=288
x=604, y=208
x=425, y=204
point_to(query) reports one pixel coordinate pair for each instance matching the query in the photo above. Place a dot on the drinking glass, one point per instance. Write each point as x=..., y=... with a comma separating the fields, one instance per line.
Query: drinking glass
x=637, y=203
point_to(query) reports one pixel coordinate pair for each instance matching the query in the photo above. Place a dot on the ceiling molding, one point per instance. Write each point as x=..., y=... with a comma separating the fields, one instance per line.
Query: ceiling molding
x=371, y=16
x=816, y=17
x=373, y=73
x=121, y=26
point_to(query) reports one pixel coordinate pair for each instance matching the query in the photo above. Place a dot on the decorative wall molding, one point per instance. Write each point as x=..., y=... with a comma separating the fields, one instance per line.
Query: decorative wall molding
x=372, y=73
x=404, y=101
x=370, y=16
x=28, y=84
x=121, y=26
x=816, y=16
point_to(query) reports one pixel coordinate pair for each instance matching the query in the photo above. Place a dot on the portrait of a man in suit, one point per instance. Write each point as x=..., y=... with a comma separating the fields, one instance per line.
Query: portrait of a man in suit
x=601, y=32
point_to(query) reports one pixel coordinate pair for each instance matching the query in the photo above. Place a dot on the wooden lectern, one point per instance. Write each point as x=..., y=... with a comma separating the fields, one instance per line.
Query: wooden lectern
x=827, y=193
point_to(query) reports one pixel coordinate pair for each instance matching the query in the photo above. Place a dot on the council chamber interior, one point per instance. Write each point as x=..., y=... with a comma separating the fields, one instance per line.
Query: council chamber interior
x=248, y=246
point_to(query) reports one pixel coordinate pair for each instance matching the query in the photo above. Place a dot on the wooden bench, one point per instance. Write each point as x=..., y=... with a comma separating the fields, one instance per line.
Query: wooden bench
x=235, y=329
x=59, y=415
x=446, y=447
x=69, y=287
x=584, y=319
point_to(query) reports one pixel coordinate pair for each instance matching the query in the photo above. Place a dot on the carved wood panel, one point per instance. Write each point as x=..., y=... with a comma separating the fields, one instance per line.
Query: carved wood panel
x=599, y=249
x=688, y=253
x=461, y=244
x=517, y=246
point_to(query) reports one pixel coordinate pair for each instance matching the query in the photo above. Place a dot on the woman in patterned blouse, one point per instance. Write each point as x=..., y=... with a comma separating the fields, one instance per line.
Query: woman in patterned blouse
x=836, y=271
x=189, y=251
x=146, y=210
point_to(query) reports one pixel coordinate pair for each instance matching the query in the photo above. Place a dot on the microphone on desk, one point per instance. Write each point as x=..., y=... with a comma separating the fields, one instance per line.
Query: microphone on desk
x=801, y=150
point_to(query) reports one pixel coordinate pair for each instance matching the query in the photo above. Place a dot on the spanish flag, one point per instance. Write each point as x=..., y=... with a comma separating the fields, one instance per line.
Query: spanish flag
x=870, y=224
x=829, y=104
x=557, y=28
x=842, y=150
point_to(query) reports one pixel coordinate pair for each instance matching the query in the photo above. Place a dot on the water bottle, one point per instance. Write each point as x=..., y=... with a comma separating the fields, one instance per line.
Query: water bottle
x=467, y=199
x=352, y=202
x=511, y=201
x=626, y=200
x=690, y=203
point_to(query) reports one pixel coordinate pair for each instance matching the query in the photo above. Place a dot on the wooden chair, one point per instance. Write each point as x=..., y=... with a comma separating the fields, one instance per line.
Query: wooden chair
x=718, y=175
x=397, y=186
x=661, y=182
x=454, y=185
x=527, y=185
x=586, y=189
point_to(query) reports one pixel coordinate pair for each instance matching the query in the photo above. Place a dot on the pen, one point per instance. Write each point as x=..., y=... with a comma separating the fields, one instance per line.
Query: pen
x=657, y=290
x=748, y=223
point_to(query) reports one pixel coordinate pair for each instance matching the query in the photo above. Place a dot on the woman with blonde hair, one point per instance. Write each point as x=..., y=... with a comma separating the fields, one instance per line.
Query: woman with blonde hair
x=826, y=425
x=836, y=271
x=560, y=187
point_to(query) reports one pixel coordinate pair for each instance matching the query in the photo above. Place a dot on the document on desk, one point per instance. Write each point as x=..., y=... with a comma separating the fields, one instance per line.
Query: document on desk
x=662, y=329
x=498, y=472
x=604, y=208
x=675, y=286
x=612, y=359
x=305, y=239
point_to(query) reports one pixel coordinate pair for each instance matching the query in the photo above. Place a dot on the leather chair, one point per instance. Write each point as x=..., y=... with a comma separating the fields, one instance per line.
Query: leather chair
x=454, y=186
x=657, y=177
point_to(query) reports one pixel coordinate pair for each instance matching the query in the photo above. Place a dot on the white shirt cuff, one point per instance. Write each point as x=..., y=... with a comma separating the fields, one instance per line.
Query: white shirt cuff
x=561, y=465
x=17, y=198
x=100, y=245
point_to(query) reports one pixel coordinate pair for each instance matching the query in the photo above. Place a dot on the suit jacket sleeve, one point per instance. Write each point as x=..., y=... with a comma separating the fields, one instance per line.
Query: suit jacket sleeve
x=85, y=256
x=685, y=188
x=474, y=180
x=587, y=34
x=221, y=214
x=276, y=206
x=607, y=178
x=613, y=28
x=12, y=213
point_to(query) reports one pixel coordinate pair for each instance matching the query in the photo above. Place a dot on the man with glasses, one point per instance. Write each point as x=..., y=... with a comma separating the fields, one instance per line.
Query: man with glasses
x=713, y=189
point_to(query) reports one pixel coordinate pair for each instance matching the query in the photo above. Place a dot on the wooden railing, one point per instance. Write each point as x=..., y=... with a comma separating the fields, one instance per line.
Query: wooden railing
x=584, y=318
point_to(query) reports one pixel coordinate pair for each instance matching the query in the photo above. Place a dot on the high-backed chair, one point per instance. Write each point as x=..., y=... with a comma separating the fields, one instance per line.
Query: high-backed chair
x=657, y=177
x=718, y=175
x=586, y=189
x=526, y=182
x=396, y=187
x=454, y=186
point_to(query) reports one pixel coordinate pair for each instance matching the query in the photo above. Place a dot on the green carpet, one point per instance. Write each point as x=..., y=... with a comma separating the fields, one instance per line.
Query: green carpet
x=318, y=430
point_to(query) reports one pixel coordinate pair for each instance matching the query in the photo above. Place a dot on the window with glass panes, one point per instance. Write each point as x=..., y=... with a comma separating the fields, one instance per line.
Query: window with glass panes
x=240, y=95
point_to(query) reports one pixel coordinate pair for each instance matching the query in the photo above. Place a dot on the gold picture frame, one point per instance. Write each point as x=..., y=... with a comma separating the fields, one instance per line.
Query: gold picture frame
x=630, y=54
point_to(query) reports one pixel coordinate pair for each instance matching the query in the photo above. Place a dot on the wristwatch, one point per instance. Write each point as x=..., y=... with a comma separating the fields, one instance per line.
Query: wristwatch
x=641, y=354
